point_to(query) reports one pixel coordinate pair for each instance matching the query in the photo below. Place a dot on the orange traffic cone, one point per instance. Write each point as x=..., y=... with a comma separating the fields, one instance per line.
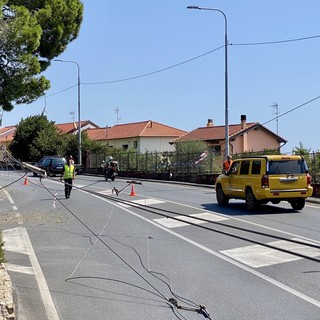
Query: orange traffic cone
x=25, y=181
x=132, y=193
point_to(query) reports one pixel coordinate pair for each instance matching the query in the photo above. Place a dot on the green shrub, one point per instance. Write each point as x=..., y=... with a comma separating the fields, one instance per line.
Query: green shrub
x=2, y=258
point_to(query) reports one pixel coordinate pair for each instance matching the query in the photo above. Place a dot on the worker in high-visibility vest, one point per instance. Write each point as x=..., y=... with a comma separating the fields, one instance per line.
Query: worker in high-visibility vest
x=227, y=163
x=68, y=175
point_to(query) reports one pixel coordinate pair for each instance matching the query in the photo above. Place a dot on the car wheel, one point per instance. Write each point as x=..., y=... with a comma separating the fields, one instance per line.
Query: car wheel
x=298, y=204
x=251, y=201
x=222, y=199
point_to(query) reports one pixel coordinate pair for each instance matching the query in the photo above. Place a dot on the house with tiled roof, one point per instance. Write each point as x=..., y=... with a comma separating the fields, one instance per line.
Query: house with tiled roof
x=72, y=127
x=243, y=137
x=6, y=135
x=140, y=136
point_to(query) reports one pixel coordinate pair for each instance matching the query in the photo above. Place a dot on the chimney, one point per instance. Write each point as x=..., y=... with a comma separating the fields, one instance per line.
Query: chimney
x=243, y=121
x=107, y=131
x=210, y=123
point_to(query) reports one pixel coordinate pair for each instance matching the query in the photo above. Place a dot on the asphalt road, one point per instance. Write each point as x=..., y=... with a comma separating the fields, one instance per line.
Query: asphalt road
x=155, y=251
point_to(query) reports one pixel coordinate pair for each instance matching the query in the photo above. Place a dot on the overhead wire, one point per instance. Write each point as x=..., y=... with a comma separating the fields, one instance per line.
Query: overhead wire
x=168, y=214
x=275, y=42
x=165, y=213
x=293, y=109
x=154, y=72
x=151, y=210
x=201, y=56
x=99, y=238
x=170, y=301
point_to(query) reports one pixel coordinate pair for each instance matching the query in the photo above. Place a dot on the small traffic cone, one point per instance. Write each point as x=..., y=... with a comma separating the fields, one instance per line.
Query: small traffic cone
x=132, y=193
x=25, y=181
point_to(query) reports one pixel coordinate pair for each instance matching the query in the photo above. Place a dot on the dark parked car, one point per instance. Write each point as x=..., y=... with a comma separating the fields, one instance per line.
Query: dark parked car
x=52, y=164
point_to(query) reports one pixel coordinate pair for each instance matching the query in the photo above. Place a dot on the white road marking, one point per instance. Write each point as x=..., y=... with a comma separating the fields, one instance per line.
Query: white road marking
x=257, y=256
x=144, y=202
x=172, y=223
x=107, y=191
x=148, y=201
x=13, y=241
x=18, y=240
x=79, y=185
x=14, y=208
x=20, y=269
x=222, y=257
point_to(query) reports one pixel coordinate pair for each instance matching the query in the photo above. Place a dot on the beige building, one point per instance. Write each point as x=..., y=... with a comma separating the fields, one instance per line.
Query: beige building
x=243, y=137
x=140, y=136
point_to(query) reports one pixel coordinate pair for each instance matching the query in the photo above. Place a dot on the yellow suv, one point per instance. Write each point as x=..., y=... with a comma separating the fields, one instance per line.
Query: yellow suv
x=261, y=179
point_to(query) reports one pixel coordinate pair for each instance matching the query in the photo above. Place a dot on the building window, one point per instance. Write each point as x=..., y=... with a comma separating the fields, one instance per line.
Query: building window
x=135, y=144
x=125, y=147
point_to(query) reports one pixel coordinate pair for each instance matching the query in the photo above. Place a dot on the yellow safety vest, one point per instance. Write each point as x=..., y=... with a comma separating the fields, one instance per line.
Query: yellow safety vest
x=68, y=171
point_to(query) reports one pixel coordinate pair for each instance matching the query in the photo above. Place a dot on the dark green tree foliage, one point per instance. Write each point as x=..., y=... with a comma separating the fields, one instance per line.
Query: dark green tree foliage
x=301, y=150
x=188, y=147
x=36, y=137
x=32, y=33
x=71, y=145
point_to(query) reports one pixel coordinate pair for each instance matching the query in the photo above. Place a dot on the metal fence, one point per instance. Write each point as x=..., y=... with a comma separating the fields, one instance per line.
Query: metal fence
x=160, y=162
x=313, y=160
x=177, y=164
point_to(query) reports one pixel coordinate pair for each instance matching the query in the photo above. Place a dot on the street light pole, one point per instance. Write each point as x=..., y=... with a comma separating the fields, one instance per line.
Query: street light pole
x=79, y=104
x=226, y=73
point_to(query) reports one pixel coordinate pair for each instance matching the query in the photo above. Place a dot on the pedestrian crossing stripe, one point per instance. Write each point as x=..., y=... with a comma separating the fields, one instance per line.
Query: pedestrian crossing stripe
x=79, y=185
x=13, y=241
x=143, y=202
x=107, y=191
x=19, y=269
x=193, y=218
x=257, y=256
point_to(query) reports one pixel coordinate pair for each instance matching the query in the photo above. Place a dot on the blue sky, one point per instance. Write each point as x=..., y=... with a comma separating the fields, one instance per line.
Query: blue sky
x=126, y=39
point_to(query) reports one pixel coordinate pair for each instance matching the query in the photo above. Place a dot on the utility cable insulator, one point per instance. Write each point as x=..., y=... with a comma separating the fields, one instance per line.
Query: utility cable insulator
x=201, y=310
x=116, y=191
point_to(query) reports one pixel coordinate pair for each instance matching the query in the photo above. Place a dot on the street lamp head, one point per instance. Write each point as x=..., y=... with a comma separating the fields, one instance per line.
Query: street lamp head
x=193, y=7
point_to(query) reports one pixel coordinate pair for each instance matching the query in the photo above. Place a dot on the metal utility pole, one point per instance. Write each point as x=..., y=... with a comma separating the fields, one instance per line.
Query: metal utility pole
x=226, y=108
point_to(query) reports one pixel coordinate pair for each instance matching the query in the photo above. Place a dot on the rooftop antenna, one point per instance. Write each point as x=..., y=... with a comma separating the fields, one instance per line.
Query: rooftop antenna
x=117, y=112
x=275, y=112
x=72, y=115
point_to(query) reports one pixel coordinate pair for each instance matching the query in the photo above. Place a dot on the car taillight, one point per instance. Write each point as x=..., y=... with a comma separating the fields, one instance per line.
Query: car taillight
x=308, y=179
x=265, y=181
